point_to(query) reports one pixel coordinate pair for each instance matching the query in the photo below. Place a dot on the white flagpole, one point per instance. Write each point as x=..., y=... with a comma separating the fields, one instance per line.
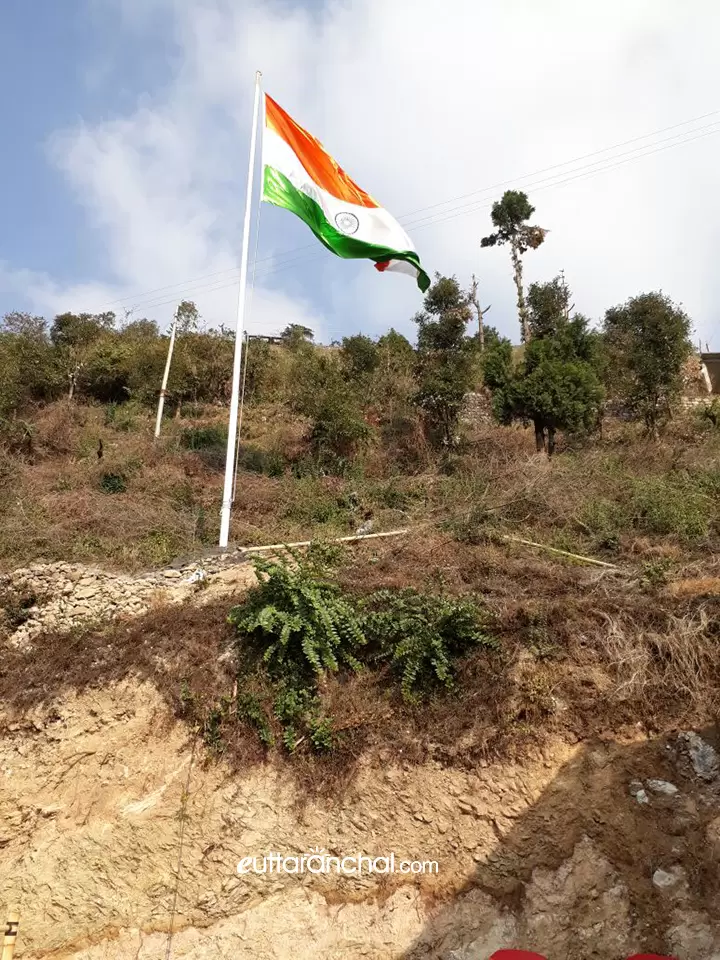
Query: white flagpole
x=163, y=389
x=232, y=426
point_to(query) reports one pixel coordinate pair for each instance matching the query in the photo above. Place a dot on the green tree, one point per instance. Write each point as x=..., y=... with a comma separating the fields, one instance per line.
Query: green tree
x=548, y=304
x=339, y=431
x=28, y=368
x=296, y=335
x=202, y=367
x=145, y=352
x=396, y=352
x=24, y=325
x=445, y=357
x=557, y=385
x=311, y=374
x=394, y=378
x=647, y=341
x=509, y=216
x=360, y=358
x=72, y=335
x=142, y=329
x=106, y=369
x=259, y=362
x=188, y=317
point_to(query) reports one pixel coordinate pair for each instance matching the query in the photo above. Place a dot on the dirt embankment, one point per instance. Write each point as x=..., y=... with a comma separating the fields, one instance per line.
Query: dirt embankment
x=116, y=832
x=597, y=835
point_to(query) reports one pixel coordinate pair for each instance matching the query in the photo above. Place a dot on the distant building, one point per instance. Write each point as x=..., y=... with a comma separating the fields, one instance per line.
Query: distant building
x=266, y=339
x=711, y=371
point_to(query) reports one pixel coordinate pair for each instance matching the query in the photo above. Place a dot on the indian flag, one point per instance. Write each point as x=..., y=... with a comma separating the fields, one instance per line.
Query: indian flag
x=300, y=176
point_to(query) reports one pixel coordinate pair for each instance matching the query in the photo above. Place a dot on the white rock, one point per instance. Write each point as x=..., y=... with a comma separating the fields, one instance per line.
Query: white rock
x=667, y=879
x=663, y=786
x=642, y=797
x=86, y=592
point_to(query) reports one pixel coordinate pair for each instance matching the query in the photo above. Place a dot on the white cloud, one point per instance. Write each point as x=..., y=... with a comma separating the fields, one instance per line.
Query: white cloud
x=420, y=103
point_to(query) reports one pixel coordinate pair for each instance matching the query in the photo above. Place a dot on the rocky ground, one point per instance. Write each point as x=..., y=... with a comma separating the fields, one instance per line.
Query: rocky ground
x=64, y=596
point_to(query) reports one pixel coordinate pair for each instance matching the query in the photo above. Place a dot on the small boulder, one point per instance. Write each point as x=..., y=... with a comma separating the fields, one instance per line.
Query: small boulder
x=703, y=757
x=668, y=879
x=662, y=786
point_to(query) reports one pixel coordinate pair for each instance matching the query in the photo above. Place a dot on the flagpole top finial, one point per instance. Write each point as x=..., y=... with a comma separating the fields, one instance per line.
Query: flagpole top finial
x=258, y=75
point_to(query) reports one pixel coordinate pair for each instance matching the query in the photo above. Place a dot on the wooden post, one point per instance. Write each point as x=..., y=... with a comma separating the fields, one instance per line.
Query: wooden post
x=11, y=932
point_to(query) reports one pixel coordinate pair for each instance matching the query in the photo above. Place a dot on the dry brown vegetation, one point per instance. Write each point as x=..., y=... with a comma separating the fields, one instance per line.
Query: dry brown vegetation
x=625, y=499
x=582, y=650
x=583, y=653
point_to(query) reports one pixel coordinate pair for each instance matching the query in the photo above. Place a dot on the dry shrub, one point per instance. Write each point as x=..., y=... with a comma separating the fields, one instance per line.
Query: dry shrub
x=582, y=652
x=274, y=428
x=660, y=668
x=498, y=446
x=404, y=447
x=59, y=426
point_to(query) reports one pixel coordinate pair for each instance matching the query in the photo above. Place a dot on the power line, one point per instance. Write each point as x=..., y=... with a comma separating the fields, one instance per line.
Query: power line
x=465, y=209
x=541, y=185
x=585, y=156
x=680, y=138
x=502, y=183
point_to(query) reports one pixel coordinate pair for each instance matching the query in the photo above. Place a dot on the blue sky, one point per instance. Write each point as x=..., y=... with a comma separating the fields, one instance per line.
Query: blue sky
x=126, y=127
x=60, y=62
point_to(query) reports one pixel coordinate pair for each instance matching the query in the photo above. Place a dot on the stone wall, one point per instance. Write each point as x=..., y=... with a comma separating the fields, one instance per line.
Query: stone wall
x=477, y=408
x=62, y=596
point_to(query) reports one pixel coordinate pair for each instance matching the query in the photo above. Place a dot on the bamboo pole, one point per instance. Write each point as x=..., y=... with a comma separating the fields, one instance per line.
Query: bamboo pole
x=11, y=932
x=564, y=553
x=166, y=374
x=306, y=543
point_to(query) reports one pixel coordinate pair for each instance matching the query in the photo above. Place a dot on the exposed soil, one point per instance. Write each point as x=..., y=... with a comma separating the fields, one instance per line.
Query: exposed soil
x=554, y=853
x=554, y=787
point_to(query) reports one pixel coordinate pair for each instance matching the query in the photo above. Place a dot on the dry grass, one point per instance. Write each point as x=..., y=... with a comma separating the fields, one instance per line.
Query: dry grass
x=582, y=653
x=651, y=665
x=625, y=500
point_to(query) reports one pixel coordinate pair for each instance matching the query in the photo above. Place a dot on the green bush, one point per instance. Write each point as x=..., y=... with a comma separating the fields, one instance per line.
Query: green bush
x=605, y=518
x=707, y=415
x=256, y=460
x=707, y=481
x=299, y=626
x=113, y=483
x=423, y=634
x=322, y=735
x=124, y=416
x=160, y=547
x=662, y=506
x=250, y=710
x=312, y=504
x=204, y=438
x=339, y=430
x=298, y=620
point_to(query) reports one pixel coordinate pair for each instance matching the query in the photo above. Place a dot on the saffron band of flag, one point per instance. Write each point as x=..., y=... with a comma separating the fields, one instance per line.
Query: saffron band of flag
x=301, y=177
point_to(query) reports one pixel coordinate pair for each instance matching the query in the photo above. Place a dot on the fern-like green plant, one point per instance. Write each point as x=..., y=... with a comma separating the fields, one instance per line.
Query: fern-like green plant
x=299, y=620
x=423, y=634
x=250, y=710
